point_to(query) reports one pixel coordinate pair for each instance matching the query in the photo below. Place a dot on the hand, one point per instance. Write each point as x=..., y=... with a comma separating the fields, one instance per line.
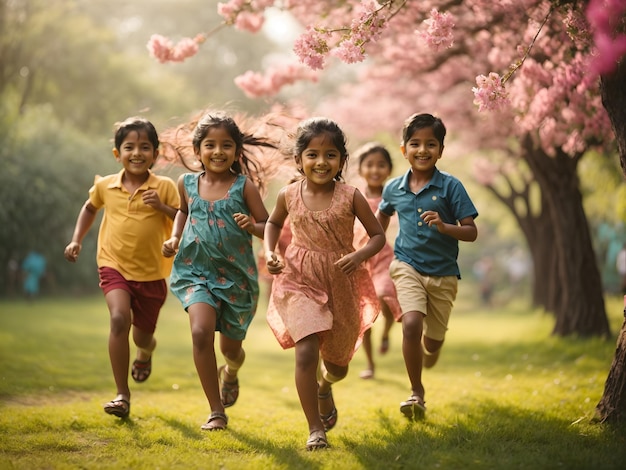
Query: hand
x=170, y=247
x=244, y=221
x=151, y=198
x=72, y=251
x=274, y=265
x=348, y=263
x=432, y=218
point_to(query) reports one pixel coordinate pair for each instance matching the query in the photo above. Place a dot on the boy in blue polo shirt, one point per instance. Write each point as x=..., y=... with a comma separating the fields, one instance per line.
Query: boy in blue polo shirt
x=434, y=212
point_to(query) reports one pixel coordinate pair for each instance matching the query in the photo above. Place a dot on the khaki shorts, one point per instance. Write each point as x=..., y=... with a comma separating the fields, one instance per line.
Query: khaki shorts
x=431, y=295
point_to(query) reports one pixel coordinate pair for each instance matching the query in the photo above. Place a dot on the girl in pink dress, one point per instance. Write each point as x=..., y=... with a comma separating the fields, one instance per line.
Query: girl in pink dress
x=322, y=299
x=375, y=167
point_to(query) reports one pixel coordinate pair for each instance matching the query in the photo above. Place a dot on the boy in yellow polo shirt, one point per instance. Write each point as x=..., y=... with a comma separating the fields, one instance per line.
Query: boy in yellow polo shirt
x=139, y=211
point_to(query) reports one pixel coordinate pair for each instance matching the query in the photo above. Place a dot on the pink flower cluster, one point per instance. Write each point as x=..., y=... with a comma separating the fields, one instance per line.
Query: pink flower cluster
x=440, y=30
x=244, y=15
x=603, y=16
x=490, y=93
x=256, y=85
x=311, y=48
x=162, y=48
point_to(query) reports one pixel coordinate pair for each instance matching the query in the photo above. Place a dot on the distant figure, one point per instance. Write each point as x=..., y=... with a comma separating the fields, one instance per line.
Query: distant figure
x=34, y=267
x=620, y=265
x=13, y=274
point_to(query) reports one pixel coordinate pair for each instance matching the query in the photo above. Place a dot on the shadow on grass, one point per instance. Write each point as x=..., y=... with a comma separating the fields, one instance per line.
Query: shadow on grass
x=488, y=435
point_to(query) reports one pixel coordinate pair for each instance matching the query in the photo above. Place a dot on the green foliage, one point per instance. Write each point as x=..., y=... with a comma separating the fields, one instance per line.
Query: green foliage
x=514, y=398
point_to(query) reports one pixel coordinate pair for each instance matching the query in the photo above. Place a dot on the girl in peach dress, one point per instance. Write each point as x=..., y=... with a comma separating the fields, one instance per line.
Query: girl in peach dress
x=375, y=167
x=322, y=299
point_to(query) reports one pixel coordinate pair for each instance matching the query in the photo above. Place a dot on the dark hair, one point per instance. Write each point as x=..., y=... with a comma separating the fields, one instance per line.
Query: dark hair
x=373, y=147
x=420, y=121
x=315, y=127
x=135, y=124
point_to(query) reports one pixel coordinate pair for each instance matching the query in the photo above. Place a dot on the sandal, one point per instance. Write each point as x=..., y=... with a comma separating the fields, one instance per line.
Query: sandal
x=367, y=374
x=413, y=408
x=317, y=440
x=229, y=390
x=119, y=406
x=141, y=370
x=213, y=425
x=328, y=420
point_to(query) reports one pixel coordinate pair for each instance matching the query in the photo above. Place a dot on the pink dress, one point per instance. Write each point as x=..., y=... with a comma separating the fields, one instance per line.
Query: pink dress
x=378, y=265
x=311, y=295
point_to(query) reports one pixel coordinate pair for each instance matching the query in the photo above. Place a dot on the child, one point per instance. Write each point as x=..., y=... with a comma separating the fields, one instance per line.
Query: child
x=139, y=209
x=434, y=213
x=375, y=167
x=322, y=300
x=214, y=274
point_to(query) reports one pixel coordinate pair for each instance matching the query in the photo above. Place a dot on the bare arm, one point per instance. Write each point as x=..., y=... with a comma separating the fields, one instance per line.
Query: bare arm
x=464, y=231
x=351, y=261
x=151, y=198
x=170, y=246
x=255, y=222
x=86, y=216
x=273, y=228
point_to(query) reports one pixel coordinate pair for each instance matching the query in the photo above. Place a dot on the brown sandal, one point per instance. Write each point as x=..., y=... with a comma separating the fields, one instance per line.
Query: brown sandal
x=328, y=420
x=212, y=425
x=413, y=408
x=141, y=370
x=119, y=406
x=229, y=390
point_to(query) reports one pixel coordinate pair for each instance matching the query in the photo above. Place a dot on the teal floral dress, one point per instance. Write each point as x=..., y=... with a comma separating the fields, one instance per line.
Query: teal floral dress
x=215, y=263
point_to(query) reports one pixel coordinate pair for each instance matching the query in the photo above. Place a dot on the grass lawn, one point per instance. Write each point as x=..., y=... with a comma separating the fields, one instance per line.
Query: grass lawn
x=505, y=395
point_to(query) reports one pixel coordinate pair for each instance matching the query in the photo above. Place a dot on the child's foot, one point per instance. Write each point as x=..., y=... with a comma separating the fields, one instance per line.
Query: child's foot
x=217, y=421
x=413, y=408
x=329, y=418
x=141, y=370
x=367, y=373
x=317, y=440
x=119, y=406
x=384, y=345
x=229, y=390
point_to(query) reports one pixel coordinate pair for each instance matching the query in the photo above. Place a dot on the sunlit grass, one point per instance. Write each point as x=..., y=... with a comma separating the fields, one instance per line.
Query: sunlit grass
x=505, y=394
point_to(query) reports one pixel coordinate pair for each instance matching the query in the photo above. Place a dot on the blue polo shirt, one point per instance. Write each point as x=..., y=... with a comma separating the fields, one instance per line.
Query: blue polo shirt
x=423, y=247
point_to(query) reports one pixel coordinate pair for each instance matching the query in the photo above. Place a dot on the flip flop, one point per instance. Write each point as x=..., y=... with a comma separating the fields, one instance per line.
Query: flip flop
x=141, y=370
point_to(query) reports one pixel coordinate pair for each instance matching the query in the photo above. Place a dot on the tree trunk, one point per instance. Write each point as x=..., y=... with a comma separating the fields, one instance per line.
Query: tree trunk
x=578, y=297
x=612, y=406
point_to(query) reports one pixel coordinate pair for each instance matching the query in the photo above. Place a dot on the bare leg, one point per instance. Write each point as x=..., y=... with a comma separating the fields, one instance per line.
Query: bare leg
x=145, y=342
x=118, y=302
x=307, y=357
x=432, y=349
x=389, y=321
x=368, y=373
x=202, y=318
x=412, y=327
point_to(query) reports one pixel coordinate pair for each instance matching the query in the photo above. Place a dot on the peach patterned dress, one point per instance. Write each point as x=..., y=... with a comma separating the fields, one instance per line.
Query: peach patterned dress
x=378, y=265
x=311, y=295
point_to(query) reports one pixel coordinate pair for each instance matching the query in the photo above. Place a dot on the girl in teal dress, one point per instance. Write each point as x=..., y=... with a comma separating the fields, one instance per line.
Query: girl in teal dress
x=214, y=273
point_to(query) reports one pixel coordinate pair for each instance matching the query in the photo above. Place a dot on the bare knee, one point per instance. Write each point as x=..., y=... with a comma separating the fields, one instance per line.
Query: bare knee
x=202, y=338
x=413, y=325
x=119, y=322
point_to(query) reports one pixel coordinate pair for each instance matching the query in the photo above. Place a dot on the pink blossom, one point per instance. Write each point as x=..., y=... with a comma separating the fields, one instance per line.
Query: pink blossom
x=349, y=52
x=610, y=46
x=490, y=93
x=162, y=49
x=311, y=48
x=247, y=21
x=440, y=30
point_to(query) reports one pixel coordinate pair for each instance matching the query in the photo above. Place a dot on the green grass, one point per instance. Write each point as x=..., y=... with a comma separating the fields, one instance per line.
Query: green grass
x=505, y=395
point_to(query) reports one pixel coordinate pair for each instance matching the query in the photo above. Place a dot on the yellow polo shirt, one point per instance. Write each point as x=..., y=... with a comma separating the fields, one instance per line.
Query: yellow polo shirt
x=132, y=233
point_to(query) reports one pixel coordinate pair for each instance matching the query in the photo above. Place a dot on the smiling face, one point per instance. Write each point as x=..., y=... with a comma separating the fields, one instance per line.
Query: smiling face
x=217, y=150
x=136, y=153
x=321, y=160
x=422, y=150
x=374, y=169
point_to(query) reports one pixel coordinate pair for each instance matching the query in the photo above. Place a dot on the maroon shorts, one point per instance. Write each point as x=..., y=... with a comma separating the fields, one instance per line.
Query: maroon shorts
x=146, y=298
